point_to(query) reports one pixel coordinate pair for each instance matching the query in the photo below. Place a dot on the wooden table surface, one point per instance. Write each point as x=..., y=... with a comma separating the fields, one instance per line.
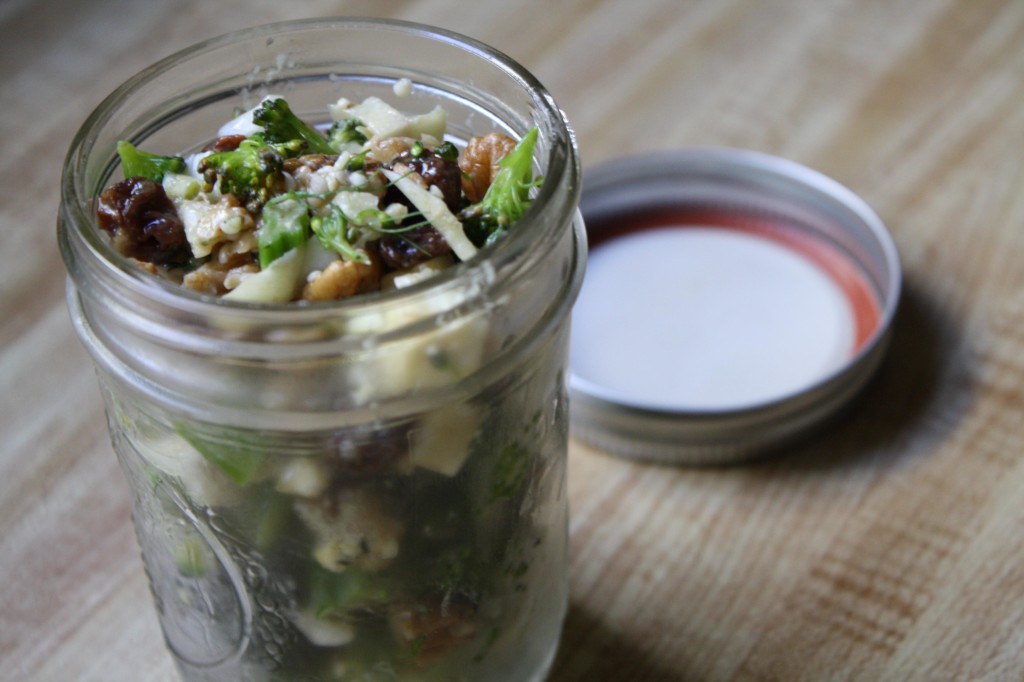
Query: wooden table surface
x=888, y=547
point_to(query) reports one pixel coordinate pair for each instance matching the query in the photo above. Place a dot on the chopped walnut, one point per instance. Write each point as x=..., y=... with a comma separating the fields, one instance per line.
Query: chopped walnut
x=212, y=278
x=479, y=163
x=229, y=263
x=383, y=150
x=239, y=252
x=235, y=276
x=209, y=223
x=342, y=279
x=311, y=162
x=146, y=266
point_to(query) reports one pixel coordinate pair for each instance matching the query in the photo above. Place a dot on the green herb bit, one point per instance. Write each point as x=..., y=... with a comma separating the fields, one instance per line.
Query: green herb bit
x=447, y=151
x=510, y=472
x=357, y=162
x=492, y=636
x=137, y=163
x=416, y=645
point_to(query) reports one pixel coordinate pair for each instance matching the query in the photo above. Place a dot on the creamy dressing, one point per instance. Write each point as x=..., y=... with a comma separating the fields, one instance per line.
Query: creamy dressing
x=706, y=318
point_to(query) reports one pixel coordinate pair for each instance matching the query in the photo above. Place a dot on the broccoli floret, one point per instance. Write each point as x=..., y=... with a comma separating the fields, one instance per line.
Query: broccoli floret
x=344, y=133
x=334, y=234
x=507, y=198
x=250, y=172
x=137, y=163
x=281, y=126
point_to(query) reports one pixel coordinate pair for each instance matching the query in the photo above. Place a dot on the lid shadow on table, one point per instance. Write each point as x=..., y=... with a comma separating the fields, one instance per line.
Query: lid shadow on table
x=926, y=369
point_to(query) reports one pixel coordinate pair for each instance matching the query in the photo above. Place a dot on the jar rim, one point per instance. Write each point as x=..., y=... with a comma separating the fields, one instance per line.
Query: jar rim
x=561, y=163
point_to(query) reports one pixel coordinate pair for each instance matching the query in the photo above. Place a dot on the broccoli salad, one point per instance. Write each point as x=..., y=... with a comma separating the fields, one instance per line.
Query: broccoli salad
x=275, y=210
x=427, y=547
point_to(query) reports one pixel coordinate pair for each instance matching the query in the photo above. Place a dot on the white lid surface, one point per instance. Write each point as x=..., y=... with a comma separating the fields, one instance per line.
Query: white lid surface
x=699, y=318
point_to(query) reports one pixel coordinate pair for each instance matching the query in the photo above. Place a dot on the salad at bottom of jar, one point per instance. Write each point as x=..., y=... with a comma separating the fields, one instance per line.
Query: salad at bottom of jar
x=275, y=210
x=361, y=560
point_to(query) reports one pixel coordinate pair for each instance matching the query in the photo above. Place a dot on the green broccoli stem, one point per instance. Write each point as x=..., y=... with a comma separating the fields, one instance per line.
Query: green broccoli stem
x=285, y=226
x=240, y=462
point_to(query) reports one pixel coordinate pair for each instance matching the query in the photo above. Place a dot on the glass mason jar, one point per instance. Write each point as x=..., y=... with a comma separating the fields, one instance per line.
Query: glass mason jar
x=367, y=489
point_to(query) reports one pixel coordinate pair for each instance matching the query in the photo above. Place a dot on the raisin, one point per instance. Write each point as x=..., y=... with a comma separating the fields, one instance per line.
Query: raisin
x=143, y=222
x=225, y=143
x=400, y=251
x=480, y=163
x=435, y=171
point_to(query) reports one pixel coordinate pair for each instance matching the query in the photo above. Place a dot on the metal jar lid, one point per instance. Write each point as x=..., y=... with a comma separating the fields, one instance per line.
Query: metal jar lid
x=762, y=309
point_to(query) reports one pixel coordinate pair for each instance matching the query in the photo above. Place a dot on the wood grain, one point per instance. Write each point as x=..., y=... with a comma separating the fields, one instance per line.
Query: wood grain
x=888, y=546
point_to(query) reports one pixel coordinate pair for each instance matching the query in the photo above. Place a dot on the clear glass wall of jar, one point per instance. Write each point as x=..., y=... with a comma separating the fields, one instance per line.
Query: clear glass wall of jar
x=365, y=489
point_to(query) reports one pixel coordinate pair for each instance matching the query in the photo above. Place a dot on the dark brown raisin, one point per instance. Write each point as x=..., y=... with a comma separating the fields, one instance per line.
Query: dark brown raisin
x=143, y=222
x=436, y=172
x=400, y=251
x=225, y=143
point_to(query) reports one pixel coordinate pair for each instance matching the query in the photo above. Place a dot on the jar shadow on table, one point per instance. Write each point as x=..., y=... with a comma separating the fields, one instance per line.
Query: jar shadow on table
x=589, y=645
x=922, y=389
